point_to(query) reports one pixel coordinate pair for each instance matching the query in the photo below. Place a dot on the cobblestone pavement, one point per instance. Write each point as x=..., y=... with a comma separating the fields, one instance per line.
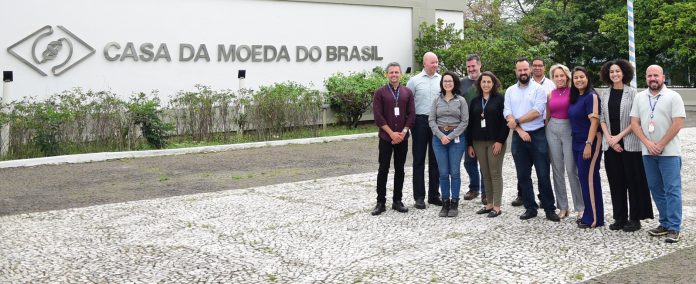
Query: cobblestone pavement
x=320, y=231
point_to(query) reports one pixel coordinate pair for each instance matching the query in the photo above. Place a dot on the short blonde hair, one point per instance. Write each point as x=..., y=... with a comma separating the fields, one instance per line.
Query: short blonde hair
x=565, y=69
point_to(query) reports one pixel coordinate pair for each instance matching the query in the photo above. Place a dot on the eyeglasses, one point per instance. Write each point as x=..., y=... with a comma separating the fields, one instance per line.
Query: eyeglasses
x=537, y=65
x=447, y=81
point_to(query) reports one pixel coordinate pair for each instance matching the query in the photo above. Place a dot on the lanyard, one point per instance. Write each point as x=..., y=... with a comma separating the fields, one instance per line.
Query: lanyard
x=484, y=103
x=652, y=106
x=395, y=94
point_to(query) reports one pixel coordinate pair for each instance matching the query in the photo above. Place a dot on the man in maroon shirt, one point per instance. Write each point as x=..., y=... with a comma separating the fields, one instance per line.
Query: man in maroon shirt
x=395, y=113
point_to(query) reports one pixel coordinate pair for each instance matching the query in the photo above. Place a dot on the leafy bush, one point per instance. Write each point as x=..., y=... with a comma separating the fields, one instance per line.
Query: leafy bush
x=283, y=106
x=144, y=112
x=350, y=96
x=240, y=104
x=194, y=113
x=200, y=114
x=47, y=121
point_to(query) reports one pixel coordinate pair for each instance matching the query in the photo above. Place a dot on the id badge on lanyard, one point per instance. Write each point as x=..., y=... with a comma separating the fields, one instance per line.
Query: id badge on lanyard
x=651, y=125
x=396, y=95
x=483, y=111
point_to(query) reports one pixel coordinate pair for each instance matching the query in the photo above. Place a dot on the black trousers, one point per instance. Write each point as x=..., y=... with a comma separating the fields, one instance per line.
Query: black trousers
x=386, y=149
x=628, y=185
x=422, y=137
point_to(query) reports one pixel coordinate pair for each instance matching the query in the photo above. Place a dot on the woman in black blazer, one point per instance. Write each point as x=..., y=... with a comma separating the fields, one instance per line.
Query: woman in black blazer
x=486, y=134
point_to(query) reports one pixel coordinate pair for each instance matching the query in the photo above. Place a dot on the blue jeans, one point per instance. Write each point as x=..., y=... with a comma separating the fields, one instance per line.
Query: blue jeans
x=526, y=155
x=664, y=180
x=449, y=158
x=472, y=169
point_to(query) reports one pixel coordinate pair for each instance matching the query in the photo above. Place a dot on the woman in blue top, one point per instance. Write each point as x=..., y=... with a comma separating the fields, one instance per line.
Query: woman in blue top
x=584, y=123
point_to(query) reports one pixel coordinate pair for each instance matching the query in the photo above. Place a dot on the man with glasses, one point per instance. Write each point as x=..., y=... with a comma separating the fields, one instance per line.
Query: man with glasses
x=538, y=71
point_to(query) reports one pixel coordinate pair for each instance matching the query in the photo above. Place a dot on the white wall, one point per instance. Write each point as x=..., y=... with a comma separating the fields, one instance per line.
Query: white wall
x=451, y=17
x=209, y=22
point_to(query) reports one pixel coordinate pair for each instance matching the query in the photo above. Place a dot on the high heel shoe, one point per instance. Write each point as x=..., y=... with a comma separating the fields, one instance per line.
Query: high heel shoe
x=563, y=213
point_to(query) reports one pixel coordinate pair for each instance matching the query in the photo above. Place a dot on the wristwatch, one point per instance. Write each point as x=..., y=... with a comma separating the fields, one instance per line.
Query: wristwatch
x=588, y=143
x=517, y=121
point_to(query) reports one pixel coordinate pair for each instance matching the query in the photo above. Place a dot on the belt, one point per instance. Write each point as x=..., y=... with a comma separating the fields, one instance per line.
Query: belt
x=446, y=128
x=422, y=115
x=531, y=131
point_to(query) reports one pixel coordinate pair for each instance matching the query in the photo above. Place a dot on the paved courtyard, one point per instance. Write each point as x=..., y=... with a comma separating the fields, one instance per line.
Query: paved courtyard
x=320, y=231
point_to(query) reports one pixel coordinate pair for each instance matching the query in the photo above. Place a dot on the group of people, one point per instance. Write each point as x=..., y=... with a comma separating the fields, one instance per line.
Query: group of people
x=559, y=125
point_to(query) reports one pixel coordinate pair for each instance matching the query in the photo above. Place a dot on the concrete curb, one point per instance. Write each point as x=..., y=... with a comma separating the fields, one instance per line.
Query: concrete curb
x=105, y=156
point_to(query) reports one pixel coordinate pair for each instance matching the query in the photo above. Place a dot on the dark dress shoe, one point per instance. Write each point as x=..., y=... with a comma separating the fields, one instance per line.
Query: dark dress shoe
x=582, y=225
x=632, y=226
x=399, y=206
x=552, y=216
x=419, y=204
x=471, y=195
x=379, y=208
x=436, y=202
x=529, y=214
x=617, y=225
x=494, y=213
x=484, y=210
x=517, y=201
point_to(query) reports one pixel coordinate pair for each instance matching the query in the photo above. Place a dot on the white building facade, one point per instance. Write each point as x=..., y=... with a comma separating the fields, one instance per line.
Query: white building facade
x=143, y=45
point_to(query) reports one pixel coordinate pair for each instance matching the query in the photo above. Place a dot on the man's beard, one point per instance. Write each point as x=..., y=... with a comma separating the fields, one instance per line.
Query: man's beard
x=659, y=86
x=524, y=78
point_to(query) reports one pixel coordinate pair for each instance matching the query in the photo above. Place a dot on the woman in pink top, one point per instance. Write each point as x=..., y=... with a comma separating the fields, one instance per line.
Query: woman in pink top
x=560, y=144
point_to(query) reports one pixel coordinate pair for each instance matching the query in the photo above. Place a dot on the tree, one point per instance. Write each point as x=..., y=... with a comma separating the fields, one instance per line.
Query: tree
x=664, y=33
x=675, y=27
x=436, y=38
x=574, y=25
x=487, y=33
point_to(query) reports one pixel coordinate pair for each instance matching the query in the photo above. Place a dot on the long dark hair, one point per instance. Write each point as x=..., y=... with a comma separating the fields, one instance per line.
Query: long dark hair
x=456, y=83
x=496, y=84
x=574, y=92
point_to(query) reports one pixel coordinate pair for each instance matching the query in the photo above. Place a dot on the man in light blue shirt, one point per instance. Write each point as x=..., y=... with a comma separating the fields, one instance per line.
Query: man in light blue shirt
x=525, y=101
x=426, y=88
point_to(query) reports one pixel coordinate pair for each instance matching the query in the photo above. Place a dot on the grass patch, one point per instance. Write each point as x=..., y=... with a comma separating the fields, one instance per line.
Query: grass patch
x=579, y=276
x=454, y=235
x=333, y=130
x=177, y=142
x=163, y=178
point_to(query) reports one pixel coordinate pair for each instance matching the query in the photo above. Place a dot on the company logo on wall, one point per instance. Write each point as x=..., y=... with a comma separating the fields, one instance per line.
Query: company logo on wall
x=56, y=51
x=51, y=50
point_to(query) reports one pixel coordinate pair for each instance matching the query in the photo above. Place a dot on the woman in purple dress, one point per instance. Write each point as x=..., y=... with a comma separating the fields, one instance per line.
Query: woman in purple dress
x=584, y=123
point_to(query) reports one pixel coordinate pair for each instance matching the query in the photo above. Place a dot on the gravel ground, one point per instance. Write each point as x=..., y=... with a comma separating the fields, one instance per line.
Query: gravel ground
x=116, y=220
x=51, y=187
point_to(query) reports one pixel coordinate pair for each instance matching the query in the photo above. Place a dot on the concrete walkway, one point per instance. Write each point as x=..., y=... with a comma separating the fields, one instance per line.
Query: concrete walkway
x=320, y=231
